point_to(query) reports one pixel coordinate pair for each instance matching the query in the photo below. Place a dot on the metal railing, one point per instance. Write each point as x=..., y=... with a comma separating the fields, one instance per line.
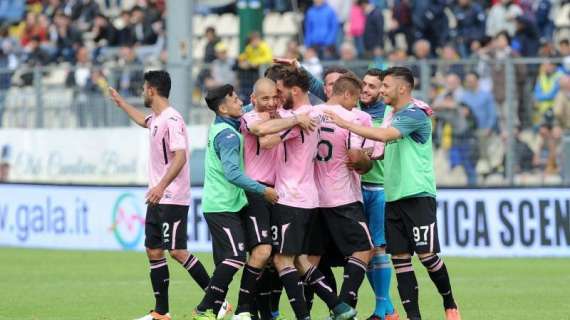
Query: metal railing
x=519, y=149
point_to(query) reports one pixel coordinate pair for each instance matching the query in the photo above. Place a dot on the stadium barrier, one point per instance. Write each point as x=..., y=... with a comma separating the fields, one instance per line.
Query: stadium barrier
x=506, y=222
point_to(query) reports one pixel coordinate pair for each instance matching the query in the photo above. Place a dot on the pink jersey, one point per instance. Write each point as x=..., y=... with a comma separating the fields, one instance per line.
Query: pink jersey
x=259, y=163
x=295, y=177
x=364, y=119
x=337, y=184
x=168, y=134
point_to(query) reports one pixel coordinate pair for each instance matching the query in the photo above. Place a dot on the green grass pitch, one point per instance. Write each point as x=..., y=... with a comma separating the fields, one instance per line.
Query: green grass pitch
x=61, y=285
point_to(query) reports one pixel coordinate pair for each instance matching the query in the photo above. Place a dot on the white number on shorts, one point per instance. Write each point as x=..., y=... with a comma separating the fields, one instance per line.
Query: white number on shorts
x=274, y=232
x=165, y=229
x=418, y=233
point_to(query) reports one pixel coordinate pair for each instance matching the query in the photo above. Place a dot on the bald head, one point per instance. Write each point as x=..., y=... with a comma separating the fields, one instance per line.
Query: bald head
x=264, y=97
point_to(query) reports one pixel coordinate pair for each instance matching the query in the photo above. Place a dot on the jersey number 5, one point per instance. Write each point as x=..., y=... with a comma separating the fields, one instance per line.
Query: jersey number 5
x=326, y=156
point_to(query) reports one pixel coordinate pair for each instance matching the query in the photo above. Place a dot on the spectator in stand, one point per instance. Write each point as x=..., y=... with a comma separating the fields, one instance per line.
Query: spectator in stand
x=564, y=52
x=210, y=50
x=342, y=10
x=104, y=31
x=125, y=33
x=374, y=29
x=80, y=80
x=378, y=60
x=143, y=30
x=223, y=68
x=8, y=63
x=446, y=65
x=129, y=74
x=12, y=11
x=502, y=17
x=321, y=28
x=356, y=25
x=545, y=90
x=430, y=21
x=32, y=29
x=52, y=7
x=422, y=51
x=542, y=9
x=561, y=110
x=482, y=105
x=470, y=25
x=402, y=23
x=88, y=10
x=68, y=38
x=256, y=54
x=349, y=59
x=312, y=63
x=34, y=56
x=526, y=40
x=277, y=5
x=456, y=123
x=293, y=51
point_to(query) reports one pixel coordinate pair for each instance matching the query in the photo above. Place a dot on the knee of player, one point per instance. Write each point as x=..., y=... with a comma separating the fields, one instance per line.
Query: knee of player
x=179, y=255
x=261, y=253
x=154, y=254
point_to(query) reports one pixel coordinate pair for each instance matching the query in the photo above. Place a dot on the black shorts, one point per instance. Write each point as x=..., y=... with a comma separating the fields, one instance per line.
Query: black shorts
x=257, y=221
x=318, y=236
x=411, y=226
x=289, y=226
x=228, y=238
x=165, y=227
x=348, y=228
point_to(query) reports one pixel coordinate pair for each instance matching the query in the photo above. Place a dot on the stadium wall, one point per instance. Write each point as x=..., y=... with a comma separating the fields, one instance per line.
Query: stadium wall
x=505, y=222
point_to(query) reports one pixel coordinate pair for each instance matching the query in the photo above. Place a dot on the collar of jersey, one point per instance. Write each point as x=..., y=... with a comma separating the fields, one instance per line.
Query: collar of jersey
x=229, y=120
x=375, y=110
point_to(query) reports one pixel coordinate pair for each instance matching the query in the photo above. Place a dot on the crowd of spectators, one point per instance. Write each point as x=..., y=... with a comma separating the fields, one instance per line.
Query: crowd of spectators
x=473, y=114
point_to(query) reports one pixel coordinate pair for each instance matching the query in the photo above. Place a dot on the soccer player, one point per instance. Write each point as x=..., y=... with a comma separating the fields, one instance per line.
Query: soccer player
x=259, y=165
x=168, y=196
x=298, y=199
x=340, y=197
x=224, y=197
x=410, y=191
x=380, y=269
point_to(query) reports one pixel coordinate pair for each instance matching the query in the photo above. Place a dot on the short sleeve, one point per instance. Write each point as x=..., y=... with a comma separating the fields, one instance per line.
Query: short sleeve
x=177, y=139
x=148, y=120
x=290, y=133
x=409, y=121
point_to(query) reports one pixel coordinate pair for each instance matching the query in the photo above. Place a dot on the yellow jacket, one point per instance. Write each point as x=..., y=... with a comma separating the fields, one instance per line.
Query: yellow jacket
x=257, y=55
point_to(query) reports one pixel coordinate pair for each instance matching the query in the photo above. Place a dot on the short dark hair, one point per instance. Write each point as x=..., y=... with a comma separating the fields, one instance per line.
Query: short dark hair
x=293, y=77
x=504, y=33
x=564, y=41
x=347, y=82
x=217, y=95
x=375, y=72
x=335, y=69
x=275, y=72
x=160, y=80
x=403, y=73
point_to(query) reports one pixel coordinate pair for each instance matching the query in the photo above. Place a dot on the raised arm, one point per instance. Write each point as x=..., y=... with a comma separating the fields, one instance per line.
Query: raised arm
x=137, y=116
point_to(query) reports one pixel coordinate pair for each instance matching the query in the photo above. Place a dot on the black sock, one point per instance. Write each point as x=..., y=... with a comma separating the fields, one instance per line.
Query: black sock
x=216, y=291
x=294, y=288
x=309, y=294
x=407, y=286
x=276, y=289
x=249, y=278
x=197, y=271
x=326, y=270
x=263, y=297
x=438, y=274
x=354, y=272
x=317, y=281
x=159, y=277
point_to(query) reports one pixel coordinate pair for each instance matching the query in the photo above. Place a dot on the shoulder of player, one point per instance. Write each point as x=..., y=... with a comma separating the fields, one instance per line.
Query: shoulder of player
x=411, y=113
x=227, y=137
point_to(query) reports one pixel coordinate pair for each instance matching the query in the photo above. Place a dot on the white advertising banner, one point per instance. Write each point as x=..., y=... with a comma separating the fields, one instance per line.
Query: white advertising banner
x=94, y=156
x=471, y=222
x=72, y=217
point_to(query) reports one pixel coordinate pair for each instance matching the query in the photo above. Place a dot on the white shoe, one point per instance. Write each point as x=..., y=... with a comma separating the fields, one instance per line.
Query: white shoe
x=242, y=316
x=225, y=309
x=154, y=316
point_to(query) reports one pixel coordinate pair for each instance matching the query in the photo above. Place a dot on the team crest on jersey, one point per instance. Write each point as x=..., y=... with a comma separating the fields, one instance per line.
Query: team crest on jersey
x=154, y=131
x=231, y=135
x=264, y=233
x=241, y=246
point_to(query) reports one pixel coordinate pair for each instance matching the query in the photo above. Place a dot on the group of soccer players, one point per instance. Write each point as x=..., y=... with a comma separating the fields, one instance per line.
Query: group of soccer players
x=301, y=185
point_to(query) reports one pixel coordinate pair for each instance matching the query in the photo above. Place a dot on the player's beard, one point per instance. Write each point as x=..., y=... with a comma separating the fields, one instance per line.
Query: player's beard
x=288, y=103
x=373, y=100
x=147, y=103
